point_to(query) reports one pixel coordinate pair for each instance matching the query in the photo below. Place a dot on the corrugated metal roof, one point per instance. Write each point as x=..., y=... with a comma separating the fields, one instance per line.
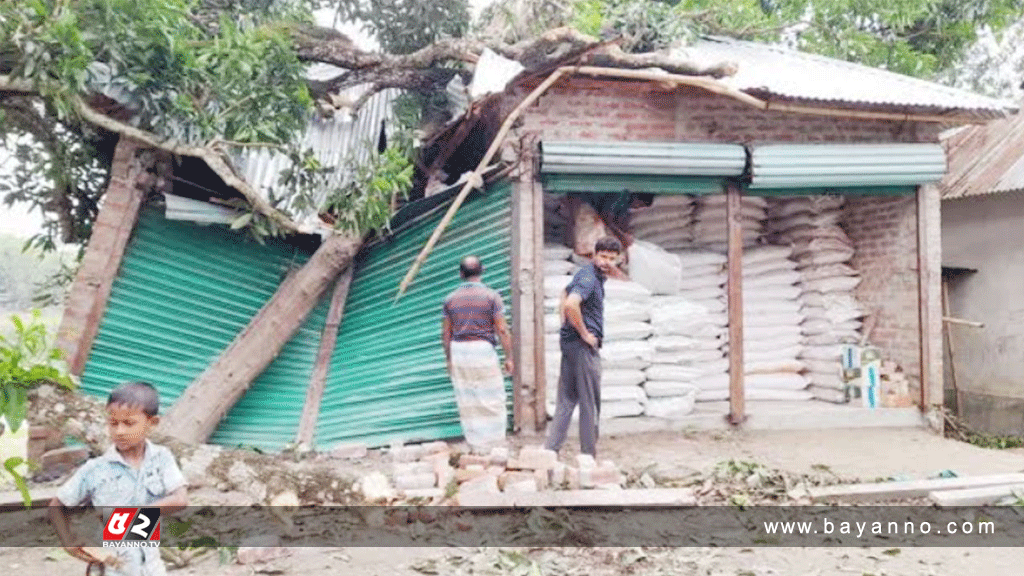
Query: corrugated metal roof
x=845, y=165
x=182, y=294
x=387, y=379
x=332, y=140
x=985, y=159
x=777, y=71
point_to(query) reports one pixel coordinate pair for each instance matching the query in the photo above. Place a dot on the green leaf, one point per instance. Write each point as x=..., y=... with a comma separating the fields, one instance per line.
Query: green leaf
x=17, y=407
x=11, y=465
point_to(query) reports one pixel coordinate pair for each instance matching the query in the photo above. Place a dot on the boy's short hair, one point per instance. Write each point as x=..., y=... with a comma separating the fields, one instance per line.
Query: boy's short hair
x=142, y=394
x=608, y=244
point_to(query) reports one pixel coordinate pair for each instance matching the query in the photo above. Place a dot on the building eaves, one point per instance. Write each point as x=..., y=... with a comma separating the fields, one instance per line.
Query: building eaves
x=766, y=70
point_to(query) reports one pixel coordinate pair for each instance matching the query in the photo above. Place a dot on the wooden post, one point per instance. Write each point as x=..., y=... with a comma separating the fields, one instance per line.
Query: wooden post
x=929, y=262
x=734, y=217
x=87, y=303
x=949, y=345
x=540, y=410
x=200, y=408
x=318, y=378
x=525, y=273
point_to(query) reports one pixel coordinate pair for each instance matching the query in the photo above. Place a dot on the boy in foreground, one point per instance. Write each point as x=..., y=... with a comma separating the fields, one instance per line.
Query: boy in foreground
x=132, y=472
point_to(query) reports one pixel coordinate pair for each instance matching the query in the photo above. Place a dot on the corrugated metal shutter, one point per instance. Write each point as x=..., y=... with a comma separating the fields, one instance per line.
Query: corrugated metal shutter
x=879, y=166
x=616, y=183
x=666, y=158
x=388, y=379
x=651, y=167
x=181, y=296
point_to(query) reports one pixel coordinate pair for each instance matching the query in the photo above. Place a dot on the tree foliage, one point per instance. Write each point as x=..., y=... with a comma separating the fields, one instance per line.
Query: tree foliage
x=916, y=37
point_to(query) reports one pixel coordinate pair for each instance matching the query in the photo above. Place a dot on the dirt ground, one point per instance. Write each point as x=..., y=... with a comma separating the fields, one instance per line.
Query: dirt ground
x=848, y=454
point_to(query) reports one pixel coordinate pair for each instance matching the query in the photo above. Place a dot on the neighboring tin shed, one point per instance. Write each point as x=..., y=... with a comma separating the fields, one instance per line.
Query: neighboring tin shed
x=982, y=219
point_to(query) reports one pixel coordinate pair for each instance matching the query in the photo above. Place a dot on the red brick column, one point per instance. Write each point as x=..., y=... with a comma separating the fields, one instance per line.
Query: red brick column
x=119, y=210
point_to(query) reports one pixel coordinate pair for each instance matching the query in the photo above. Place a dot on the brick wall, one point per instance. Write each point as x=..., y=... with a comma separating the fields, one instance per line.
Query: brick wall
x=883, y=229
x=91, y=289
x=592, y=110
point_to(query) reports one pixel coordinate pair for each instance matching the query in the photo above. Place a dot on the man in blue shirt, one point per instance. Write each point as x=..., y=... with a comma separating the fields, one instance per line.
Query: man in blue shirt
x=582, y=311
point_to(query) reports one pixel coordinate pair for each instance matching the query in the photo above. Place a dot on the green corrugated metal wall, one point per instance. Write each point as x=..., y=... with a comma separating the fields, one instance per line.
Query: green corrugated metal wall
x=388, y=379
x=182, y=294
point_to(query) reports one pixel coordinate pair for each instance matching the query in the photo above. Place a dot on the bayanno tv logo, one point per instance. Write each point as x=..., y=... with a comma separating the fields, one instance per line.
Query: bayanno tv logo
x=132, y=528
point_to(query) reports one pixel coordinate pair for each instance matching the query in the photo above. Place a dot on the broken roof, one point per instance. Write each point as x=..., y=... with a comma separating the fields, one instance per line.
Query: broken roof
x=766, y=70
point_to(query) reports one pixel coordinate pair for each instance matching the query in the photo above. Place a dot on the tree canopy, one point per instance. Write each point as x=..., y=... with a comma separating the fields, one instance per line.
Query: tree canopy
x=200, y=76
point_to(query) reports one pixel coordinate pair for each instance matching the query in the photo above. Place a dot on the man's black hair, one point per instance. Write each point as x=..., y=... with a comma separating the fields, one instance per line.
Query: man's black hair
x=141, y=394
x=608, y=244
x=470, y=266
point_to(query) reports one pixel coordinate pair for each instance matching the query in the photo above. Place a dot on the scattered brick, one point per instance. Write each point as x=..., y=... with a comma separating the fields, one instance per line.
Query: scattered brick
x=415, y=481
x=349, y=451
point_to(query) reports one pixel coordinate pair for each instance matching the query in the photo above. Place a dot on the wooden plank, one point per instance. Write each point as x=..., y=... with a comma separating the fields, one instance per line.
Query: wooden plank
x=986, y=496
x=524, y=274
x=734, y=217
x=318, y=377
x=540, y=373
x=961, y=321
x=949, y=345
x=590, y=498
x=880, y=491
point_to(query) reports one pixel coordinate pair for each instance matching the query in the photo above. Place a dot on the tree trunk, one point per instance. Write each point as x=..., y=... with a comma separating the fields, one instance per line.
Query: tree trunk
x=198, y=411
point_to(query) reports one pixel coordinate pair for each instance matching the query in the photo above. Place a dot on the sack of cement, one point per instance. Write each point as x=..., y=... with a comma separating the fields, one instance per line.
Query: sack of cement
x=672, y=407
x=654, y=268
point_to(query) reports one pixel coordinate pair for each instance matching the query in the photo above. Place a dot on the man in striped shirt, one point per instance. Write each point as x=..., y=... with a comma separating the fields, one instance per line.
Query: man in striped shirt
x=473, y=315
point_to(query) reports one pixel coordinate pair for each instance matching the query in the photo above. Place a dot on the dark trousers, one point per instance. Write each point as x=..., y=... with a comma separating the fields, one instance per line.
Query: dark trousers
x=578, y=383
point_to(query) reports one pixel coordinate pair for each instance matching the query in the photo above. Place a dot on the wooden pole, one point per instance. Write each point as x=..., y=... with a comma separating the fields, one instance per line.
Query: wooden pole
x=475, y=179
x=949, y=345
x=318, y=378
x=734, y=288
x=540, y=384
x=929, y=269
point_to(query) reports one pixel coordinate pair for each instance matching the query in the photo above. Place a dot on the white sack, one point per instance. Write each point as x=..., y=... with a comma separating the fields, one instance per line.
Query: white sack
x=620, y=409
x=662, y=389
x=622, y=393
x=614, y=331
x=558, y=267
x=620, y=377
x=671, y=408
x=615, y=289
x=620, y=311
x=654, y=268
x=778, y=381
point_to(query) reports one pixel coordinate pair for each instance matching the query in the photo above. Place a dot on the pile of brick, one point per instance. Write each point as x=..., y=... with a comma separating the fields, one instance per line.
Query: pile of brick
x=433, y=471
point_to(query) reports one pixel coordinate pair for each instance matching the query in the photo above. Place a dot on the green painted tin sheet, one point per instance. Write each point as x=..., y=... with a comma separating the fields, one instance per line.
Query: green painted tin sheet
x=182, y=294
x=388, y=379
x=644, y=183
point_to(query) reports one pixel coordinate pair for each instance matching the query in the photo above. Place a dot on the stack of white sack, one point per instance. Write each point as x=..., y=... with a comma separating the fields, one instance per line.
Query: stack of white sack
x=688, y=358
x=710, y=227
x=626, y=350
x=771, y=327
x=668, y=222
x=832, y=315
x=558, y=270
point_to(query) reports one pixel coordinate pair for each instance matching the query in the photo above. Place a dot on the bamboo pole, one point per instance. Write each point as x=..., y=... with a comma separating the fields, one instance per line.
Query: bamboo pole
x=475, y=179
